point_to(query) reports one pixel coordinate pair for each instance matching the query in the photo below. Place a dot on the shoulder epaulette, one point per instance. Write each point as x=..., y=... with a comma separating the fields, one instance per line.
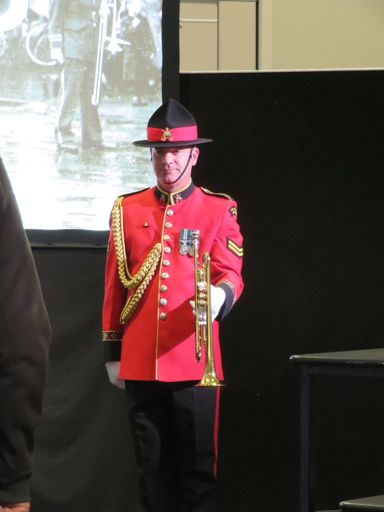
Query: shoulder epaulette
x=217, y=194
x=133, y=193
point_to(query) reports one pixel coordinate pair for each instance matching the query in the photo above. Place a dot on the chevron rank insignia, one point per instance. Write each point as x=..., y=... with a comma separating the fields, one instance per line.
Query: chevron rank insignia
x=233, y=211
x=236, y=249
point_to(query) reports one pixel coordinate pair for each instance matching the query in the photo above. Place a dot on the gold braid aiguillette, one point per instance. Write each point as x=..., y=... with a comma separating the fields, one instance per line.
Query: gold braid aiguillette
x=144, y=275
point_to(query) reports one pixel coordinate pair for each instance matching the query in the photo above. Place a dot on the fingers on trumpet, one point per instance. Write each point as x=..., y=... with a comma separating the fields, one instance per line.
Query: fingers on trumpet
x=217, y=301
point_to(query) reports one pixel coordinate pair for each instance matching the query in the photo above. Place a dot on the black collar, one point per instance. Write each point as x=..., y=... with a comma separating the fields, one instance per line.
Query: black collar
x=174, y=197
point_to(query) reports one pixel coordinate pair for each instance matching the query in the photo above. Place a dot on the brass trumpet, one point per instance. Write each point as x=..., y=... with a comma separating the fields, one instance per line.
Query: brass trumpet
x=203, y=314
x=103, y=20
x=107, y=8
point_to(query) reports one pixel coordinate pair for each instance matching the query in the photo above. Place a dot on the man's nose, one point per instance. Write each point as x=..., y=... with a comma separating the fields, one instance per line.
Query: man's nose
x=167, y=156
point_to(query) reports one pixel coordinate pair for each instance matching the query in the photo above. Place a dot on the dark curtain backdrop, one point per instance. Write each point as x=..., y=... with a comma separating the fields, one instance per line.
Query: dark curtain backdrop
x=83, y=452
x=302, y=153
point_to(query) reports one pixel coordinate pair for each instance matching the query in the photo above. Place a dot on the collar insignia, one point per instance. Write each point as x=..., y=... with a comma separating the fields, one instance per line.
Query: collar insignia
x=174, y=197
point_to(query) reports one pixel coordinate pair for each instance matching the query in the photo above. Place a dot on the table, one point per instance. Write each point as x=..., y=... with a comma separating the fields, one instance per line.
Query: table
x=356, y=363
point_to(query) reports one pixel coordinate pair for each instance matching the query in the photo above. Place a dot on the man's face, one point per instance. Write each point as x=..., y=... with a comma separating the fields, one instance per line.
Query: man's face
x=169, y=163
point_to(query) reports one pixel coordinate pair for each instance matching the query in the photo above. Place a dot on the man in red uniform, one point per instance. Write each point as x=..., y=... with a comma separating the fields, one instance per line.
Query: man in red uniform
x=148, y=322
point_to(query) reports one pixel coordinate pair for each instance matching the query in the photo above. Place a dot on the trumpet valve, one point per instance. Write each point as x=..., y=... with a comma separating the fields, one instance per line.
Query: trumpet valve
x=114, y=47
x=202, y=317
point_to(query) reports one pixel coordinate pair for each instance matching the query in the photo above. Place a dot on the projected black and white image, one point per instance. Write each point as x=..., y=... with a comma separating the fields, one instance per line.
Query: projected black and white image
x=78, y=81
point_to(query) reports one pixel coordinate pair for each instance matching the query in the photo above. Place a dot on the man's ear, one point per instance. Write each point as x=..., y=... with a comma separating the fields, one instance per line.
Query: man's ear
x=195, y=154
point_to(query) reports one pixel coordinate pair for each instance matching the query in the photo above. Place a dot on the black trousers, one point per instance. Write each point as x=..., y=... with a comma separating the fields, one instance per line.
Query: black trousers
x=174, y=428
x=77, y=87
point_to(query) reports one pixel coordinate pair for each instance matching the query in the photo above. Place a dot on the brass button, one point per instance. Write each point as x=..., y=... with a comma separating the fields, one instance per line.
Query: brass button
x=168, y=224
x=166, y=263
x=163, y=288
x=169, y=213
x=166, y=237
x=163, y=302
x=167, y=250
x=165, y=275
x=163, y=316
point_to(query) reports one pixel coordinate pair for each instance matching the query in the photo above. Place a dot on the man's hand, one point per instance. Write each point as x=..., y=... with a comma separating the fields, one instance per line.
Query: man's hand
x=217, y=300
x=16, y=507
x=57, y=56
x=113, y=369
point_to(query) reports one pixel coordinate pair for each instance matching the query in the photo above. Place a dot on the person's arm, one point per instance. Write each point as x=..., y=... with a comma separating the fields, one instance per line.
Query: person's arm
x=25, y=336
x=227, y=259
x=112, y=330
x=55, y=29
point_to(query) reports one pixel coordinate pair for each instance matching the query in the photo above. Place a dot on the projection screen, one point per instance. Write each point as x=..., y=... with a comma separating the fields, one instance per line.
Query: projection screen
x=73, y=185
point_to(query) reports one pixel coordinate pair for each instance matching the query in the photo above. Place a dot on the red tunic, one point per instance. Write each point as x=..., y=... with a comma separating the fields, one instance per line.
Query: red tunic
x=158, y=341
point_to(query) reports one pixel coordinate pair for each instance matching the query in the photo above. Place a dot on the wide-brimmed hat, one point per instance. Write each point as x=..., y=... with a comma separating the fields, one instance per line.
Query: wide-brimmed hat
x=171, y=125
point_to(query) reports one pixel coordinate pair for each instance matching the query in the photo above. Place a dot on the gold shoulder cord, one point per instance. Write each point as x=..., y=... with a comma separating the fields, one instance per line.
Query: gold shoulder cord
x=144, y=275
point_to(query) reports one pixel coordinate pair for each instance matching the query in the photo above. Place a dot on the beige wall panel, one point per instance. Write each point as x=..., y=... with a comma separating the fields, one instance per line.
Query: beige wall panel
x=198, y=9
x=237, y=35
x=198, y=53
x=265, y=34
x=198, y=35
x=293, y=34
x=309, y=34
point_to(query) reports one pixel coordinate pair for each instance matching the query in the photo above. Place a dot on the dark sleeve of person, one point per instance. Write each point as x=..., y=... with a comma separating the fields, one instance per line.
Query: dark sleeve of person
x=25, y=336
x=55, y=23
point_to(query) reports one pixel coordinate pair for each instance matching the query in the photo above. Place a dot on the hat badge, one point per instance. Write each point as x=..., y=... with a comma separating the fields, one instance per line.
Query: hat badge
x=167, y=135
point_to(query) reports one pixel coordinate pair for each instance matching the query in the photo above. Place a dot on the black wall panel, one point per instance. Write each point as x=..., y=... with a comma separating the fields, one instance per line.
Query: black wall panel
x=302, y=153
x=84, y=457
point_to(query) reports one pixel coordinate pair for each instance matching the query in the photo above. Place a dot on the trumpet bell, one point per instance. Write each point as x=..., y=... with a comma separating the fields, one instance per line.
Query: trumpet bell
x=210, y=380
x=12, y=13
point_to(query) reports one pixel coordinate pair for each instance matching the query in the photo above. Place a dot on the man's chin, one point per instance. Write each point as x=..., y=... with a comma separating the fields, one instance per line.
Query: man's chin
x=167, y=182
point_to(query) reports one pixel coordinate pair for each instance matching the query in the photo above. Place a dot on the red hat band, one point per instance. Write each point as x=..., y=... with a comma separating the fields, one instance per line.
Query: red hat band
x=183, y=133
